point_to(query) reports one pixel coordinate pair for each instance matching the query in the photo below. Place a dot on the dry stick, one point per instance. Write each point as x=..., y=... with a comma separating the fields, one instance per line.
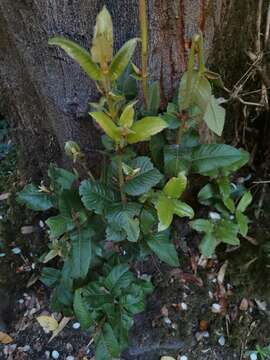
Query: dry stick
x=267, y=30
x=144, y=55
x=258, y=25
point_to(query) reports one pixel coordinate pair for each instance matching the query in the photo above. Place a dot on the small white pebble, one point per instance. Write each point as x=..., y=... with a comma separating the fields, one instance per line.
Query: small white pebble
x=33, y=266
x=253, y=356
x=221, y=341
x=70, y=357
x=16, y=250
x=21, y=301
x=214, y=215
x=216, y=308
x=76, y=325
x=184, y=306
x=41, y=224
x=184, y=357
x=55, y=354
x=47, y=354
x=2, y=254
x=167, y=320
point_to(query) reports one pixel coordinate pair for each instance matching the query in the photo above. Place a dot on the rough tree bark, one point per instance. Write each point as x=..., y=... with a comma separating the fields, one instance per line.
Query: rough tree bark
x=45, y=94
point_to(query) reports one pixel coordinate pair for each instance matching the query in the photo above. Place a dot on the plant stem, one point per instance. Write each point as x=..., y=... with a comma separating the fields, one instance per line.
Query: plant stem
x=121, y=178
x=144, y=54
x=179, y=135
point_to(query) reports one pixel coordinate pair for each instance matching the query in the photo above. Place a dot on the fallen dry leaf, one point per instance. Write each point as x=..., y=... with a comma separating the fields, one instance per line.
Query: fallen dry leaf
x=187, y=277
x=5, y=338
x=203, y=325
x=4, y=196
x=60, y=327
x=222, y=272
x=48, y=323
x=244, y=304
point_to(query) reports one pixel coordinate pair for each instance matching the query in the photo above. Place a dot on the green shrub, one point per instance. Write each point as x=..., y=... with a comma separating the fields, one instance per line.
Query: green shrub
x=101, y=225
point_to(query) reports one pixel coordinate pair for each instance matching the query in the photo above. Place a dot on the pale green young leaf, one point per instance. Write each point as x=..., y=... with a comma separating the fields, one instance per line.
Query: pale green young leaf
x=102, y=47
x=182, y=209
x=127, y=116
x=226, y=231
x=122, y=58
x=208, y=245
x=176, y=186
x=80, y=55
x=202, y=225
x=107, y=125
x=214, y=116
x=145, y=128
x=165, y=209
x=163, y=247
x=242, y=221
x=245, y=201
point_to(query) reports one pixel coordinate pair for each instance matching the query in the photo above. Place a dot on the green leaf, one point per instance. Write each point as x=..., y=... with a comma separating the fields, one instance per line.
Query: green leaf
x=127, y=116
x=156, y=145
x=61, y=179
x=50, y=276
x=34, y=199
x=225, y=191
x=199, y=92
x=226, y=231
x=95, y=195
x=122, y=58
x=165, y=209
x=102, y=48
x=59, y=225
x=107, y=125
x=202, y=225
x=107, y=347
x=79, y=54
x=145, y=128
x=119, y=277
x=217, y=159
x=177, y=159
x=145, y=179
x=132, y=303
x=126, y=217
x=163, y=247
x=208, y=194
x=81, y=242
x=208, y=245
x=214, y=116
x=176, y=186
x=154, y=98
x=182, y=209
x=81, y=312
x=148, y=220
x=244, y=202
x=242, y=221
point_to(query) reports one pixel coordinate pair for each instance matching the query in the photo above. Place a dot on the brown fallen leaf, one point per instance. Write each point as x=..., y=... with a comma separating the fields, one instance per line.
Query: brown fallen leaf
x=60, y=327
x=244, y=304
x=5, y=338
x=48, y=323
x=203, y=325
x=187, y=277
x=222, y=272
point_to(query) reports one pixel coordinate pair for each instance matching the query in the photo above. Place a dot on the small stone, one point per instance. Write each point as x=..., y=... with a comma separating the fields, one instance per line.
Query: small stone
x=214, y=215
x=216, y=308
x=183, y=357
x=76, y=325
x=253, y=356
x=167, y=321
x=69, y=347
x=70, y=357
x=2, y=254
x=41, y=224
x=184, y=306
x=47, y=354
x=21, y=301
x=221, y=341
x=55, y=354
x=201, y=334
x=16, y=250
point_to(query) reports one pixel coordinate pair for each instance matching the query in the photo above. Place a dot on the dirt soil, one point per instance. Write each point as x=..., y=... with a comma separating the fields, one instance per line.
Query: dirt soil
x=217, y=309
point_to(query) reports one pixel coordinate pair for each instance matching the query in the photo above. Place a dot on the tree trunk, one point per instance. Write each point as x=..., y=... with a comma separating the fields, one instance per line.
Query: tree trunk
x=45, y=94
